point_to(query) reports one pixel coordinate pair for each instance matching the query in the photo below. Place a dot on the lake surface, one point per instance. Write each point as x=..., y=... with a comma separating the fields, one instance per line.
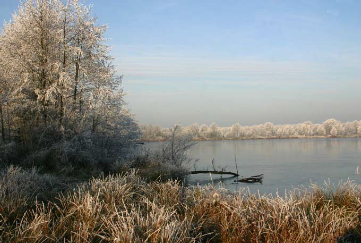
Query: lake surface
x=285, y=163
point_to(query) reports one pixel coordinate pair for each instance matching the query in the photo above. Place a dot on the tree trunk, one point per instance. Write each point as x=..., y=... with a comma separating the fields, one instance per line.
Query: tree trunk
x=61, y=111
x=2, y=124
x=76, y=80
x=9, y=125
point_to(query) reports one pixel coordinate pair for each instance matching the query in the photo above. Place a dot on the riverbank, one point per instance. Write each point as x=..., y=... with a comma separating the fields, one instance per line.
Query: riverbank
x=126, y=208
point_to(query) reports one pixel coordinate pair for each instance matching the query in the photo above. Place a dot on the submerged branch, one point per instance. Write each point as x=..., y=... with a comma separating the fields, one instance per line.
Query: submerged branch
x=252, y=179
x=213, y=172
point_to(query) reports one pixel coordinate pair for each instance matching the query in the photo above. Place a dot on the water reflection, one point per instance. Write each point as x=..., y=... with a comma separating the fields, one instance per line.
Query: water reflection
x=286, y=163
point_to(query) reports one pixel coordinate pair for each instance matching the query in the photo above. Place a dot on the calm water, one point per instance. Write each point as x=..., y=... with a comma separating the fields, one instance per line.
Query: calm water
x=284, y=163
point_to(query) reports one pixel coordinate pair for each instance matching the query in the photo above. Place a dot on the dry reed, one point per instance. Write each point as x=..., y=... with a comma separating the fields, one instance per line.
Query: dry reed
x=124, y=208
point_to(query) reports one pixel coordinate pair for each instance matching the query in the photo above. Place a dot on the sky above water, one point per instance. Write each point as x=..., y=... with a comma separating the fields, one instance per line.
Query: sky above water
x=234, y=60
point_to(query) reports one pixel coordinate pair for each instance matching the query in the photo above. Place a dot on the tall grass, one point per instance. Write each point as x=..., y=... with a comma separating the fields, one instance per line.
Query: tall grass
x=125, y=208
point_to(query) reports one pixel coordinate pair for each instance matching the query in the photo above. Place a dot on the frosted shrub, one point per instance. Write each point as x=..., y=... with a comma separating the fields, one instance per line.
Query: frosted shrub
x=170, y=161
x=20, y=189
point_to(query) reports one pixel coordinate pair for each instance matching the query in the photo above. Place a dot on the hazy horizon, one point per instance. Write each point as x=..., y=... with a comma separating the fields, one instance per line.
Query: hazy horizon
x=242, y=61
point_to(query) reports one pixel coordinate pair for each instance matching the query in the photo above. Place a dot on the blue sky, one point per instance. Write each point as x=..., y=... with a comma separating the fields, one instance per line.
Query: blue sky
x=234, y=61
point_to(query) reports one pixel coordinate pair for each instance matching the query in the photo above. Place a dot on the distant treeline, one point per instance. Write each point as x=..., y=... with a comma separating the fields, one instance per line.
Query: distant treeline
x=329, y=128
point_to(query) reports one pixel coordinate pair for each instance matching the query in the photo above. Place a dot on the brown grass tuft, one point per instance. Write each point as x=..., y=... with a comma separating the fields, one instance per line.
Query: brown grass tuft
x=124, y=208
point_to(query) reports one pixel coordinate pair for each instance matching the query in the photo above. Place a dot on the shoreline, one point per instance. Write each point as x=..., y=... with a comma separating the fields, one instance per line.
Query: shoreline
x=243, y=139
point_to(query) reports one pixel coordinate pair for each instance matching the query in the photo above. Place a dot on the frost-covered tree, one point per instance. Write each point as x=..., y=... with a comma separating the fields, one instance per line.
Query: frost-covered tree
x=194, y=130
x=350, y=128
x=286, y=131
x=267, y=130
x=235, y=130
x=334, y=131
x=203, y=130
x=5, y=89
x=224, y=132
x=329, y=124
x=302, y=129
x=359, y=130
x=249, y=132
x=213, y=131
x=63, y=86
x=321, y=131
x=341, y=129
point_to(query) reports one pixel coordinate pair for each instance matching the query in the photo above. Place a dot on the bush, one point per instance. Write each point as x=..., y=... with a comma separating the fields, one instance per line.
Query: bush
x=67, y=153
x=170, y=161
x=21, y=189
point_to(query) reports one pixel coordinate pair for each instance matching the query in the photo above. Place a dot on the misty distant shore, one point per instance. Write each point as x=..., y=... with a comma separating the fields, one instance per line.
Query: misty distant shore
x=330, y=128
x=241, y=139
